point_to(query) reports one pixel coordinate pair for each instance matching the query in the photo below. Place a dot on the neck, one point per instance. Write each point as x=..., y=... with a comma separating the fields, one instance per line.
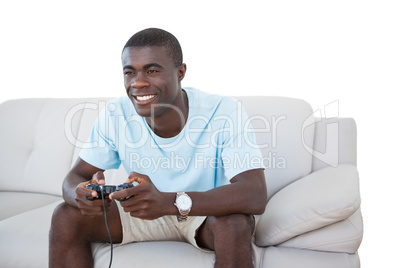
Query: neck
x=172, y=121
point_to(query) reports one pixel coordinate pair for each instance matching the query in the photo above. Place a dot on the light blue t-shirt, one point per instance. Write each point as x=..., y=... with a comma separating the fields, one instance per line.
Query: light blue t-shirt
x=216, y=143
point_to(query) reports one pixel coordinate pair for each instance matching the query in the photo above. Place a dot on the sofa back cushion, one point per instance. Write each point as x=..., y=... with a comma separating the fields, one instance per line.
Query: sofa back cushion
x=35, y=154
x=282, y=131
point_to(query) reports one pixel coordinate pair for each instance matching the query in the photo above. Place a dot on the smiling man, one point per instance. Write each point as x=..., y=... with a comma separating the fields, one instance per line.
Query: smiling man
x=189, y=154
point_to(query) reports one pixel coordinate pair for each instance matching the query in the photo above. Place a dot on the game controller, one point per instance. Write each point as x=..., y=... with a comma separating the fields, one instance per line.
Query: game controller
x=108, y=189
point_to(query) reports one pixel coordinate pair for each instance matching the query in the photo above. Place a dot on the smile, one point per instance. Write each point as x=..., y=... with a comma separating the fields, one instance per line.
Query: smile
x=145, y=98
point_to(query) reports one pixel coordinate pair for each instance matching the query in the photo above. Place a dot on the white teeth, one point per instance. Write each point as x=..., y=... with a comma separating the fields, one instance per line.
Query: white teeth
x=143, y=98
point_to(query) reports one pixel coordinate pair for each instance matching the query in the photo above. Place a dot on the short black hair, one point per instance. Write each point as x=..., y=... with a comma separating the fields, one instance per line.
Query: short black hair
x=158, y=38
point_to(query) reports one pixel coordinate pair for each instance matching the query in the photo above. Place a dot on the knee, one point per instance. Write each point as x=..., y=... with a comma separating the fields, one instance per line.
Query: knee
x=235, y=224
x=64, y=218
x=62, y=212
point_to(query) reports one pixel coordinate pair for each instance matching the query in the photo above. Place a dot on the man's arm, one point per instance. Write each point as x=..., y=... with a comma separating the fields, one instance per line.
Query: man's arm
x=246, y=194
x=74, y=191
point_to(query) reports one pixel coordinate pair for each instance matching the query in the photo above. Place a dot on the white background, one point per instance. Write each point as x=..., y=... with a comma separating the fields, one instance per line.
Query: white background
x=320, y=51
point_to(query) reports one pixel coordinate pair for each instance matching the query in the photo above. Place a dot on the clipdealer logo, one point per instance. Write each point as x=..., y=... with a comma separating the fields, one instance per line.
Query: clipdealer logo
x=116, y=128
x=182, y=163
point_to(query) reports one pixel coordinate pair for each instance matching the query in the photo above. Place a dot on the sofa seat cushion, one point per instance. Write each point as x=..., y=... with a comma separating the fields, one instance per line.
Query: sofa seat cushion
x=290, y=257
x=15, y=203
x=153, y=254
x=25, y=238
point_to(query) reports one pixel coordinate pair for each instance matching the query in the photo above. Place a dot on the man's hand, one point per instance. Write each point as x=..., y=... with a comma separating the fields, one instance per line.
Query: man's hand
x=147, y=203
x=91, y=207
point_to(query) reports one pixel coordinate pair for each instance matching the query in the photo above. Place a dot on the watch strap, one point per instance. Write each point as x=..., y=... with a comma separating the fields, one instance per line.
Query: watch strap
x=183, y=214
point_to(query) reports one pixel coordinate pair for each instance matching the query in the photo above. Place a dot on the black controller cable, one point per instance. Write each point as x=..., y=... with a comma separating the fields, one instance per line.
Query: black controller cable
x=108, y=231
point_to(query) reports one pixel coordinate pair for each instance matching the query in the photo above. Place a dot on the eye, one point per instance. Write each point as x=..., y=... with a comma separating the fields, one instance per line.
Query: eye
x=128, y=72
x=153, y=71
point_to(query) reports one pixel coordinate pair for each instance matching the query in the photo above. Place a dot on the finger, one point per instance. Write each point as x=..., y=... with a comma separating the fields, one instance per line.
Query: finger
x=83, y=191
x=129, y=180
x=137, y=177
x=95, y=203
x=98, y=178
x=93, y=211
x=131, y=202
x=137, y=191
x=141, y=214
x=122, y=194
x=131, y=177
x=93, y=207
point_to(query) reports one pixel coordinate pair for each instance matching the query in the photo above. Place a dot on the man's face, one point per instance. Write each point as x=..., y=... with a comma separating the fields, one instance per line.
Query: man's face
x=150, y=77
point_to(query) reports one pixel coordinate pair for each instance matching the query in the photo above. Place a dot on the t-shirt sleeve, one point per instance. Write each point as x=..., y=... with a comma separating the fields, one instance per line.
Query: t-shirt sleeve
x=100, y=149
x=240, y=151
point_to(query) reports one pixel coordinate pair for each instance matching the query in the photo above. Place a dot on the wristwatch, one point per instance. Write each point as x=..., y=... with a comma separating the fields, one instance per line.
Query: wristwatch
x=183, y=203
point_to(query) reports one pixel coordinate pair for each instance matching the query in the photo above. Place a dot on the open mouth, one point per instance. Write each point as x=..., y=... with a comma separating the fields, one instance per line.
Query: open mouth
x=144, y=99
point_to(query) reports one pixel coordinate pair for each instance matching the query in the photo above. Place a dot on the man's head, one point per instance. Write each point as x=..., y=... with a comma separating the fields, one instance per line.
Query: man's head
x=154, y=37
x=153, y=70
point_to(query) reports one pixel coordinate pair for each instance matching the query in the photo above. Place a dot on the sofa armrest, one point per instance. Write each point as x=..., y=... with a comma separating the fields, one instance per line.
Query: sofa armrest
x=323, y=197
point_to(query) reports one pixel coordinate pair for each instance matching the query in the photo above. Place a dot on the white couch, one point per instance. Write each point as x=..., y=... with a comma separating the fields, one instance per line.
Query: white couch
x=312, y=218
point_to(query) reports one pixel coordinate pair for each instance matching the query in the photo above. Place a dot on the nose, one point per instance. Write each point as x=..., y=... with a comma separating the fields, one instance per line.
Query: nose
x=139, y=81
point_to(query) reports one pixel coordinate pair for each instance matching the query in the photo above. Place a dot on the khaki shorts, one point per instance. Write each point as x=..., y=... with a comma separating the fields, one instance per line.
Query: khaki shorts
x=165, y=228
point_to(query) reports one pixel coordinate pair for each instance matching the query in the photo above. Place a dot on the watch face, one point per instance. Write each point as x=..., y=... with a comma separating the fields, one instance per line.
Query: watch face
x=183, y=202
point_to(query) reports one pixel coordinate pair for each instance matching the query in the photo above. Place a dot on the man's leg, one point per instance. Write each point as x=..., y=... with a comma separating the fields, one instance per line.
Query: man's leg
x=71, y=234
x=230, y=238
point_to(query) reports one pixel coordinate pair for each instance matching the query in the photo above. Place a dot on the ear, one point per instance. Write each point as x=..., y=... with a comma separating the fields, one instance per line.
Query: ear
x=182, y=71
